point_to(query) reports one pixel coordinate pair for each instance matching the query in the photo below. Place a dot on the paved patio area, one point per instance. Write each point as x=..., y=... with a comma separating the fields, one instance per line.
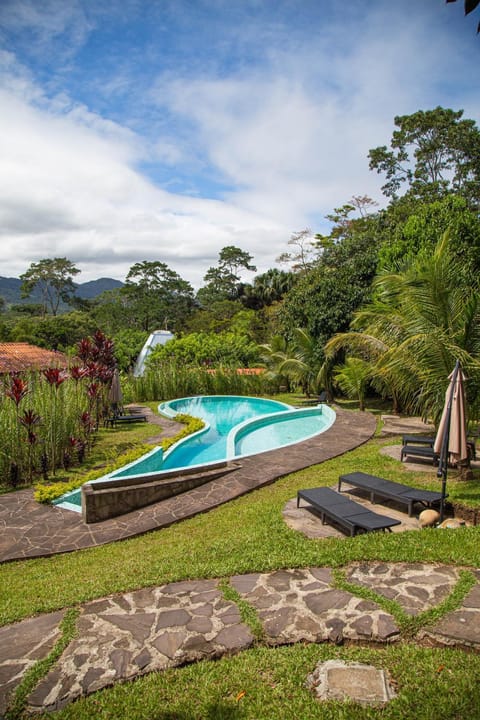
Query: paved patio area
x=28, y=529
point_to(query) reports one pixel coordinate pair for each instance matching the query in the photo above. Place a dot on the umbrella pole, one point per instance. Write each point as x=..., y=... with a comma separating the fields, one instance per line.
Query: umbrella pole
x=443, y=463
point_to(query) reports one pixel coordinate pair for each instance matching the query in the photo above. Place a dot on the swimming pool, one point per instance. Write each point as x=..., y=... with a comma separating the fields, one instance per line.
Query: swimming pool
x=235, y=427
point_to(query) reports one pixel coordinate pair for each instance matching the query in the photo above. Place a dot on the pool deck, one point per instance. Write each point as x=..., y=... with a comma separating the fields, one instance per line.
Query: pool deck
x=29, y=530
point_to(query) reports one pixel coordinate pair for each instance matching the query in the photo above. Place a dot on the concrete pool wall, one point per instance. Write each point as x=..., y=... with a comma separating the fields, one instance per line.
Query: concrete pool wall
x=117, y=496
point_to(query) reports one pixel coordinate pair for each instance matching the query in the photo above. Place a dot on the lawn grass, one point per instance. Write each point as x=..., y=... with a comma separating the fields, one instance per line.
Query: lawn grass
x=250, y=535
x=269, y=684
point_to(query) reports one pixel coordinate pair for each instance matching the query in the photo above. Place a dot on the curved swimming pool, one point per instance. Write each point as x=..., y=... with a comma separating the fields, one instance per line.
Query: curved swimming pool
x=235, y=427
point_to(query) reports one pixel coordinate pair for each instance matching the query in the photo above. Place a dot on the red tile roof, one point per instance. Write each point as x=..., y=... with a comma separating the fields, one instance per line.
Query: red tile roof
x=18, y=357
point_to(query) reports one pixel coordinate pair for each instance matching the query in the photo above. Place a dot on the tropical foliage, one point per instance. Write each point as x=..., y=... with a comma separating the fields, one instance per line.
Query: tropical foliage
x=170, y=379
x=48, y=418
x=422, y=319
x=225, y=348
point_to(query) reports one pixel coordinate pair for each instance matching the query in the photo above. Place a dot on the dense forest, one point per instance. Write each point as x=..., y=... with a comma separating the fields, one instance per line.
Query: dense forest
x=385, y=303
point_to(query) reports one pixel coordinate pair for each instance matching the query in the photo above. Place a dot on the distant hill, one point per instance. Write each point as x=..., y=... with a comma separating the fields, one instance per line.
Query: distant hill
x=11, y=292
x=92, y=289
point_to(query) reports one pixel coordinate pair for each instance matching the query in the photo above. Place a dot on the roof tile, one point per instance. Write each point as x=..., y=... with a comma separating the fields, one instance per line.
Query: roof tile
x=18, y=357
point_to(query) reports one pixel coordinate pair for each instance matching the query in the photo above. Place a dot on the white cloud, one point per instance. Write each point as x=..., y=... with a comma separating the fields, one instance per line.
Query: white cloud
x=287, y=134
x=68, y=189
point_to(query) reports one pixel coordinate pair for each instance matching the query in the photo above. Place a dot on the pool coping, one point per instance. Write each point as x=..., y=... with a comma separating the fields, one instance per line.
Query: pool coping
x=32, y=530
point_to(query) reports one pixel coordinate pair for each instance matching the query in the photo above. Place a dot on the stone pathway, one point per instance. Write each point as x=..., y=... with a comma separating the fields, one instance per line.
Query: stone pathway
x=124, y=636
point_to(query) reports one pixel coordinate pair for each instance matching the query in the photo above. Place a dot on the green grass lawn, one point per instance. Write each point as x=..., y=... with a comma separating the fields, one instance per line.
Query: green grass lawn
x=250, y=535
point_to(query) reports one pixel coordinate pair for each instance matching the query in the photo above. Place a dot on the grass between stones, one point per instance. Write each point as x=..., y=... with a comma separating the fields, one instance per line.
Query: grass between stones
x=410, y=625
x=41, y=668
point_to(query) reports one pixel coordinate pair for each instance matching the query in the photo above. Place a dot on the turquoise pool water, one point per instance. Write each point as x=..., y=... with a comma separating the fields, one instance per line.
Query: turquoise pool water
x=235, y=426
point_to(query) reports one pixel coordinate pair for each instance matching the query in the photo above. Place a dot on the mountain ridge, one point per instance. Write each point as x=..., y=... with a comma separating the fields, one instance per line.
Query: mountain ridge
x=10, y=290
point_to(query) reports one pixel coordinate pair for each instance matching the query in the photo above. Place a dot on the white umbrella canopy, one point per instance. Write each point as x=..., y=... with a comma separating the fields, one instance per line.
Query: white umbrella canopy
x=451, y=439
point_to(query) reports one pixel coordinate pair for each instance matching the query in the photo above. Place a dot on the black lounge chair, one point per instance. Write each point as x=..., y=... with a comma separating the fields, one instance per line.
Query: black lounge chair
x=120, y=417
x=422, y=451
x=429, y=441
x=418, y=440
x=349, y=514
x=389, y=490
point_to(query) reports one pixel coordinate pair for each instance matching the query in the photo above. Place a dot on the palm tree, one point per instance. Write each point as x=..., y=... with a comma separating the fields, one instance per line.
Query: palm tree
x=423, y=319
x=268, y=288
x=352, y=378
x=299, y=360
x=273, y=355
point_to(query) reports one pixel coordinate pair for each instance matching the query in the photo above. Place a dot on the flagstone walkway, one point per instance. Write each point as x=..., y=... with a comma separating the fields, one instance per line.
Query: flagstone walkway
x=124, y=636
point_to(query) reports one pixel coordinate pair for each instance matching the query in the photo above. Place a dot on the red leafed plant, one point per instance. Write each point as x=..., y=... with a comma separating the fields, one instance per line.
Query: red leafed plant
x=17, y=390
x=77, y=372
x=28, y=420
x=55, y=376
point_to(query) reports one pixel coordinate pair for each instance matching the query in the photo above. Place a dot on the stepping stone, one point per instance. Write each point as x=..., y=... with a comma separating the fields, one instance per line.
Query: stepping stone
x=364, y=684
x=302, y=606
x=21, y=646
x=125, y=636
x=460, y=627
x=415, y=587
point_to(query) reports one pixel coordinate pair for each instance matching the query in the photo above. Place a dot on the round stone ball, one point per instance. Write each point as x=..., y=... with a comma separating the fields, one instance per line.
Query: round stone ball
x=452, y=524
x=428, y=518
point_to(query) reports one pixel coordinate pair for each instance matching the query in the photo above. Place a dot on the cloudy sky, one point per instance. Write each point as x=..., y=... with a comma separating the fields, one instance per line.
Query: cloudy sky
x=165, y=130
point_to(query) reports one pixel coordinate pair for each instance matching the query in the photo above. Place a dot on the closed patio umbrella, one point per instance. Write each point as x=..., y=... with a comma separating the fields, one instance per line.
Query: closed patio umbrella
x=451, y=439
x=115, y=394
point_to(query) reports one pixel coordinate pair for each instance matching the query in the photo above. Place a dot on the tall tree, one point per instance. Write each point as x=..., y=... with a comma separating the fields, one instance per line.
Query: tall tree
x=54, y=278
x=157, y=296
x=267, y=288
x=401, y=237
x=322, y=300
x=304, y=254
x=434, y=152
x=223, y=280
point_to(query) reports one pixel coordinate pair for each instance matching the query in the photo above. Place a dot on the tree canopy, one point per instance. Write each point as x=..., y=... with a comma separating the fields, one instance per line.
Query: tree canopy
x=222, y=282
x=54, y=278
x=433, y=152
x=157, y=297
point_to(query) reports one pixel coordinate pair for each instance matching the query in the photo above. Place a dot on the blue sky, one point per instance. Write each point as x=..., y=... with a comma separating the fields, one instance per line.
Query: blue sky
x=167, y=129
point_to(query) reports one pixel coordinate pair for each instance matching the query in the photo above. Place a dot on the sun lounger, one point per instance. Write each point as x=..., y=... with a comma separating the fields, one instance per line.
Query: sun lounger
x=115, y=418
x=422, y=451
x=428, y=441
x=348, y=514
x=389, y=490
x=418, y=440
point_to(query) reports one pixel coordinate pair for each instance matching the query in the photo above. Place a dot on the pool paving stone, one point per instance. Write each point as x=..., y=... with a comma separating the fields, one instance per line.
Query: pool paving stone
x=461, y=627
x=21, y=646
x=28, y=529
x=302, y=606
x=125, y=636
